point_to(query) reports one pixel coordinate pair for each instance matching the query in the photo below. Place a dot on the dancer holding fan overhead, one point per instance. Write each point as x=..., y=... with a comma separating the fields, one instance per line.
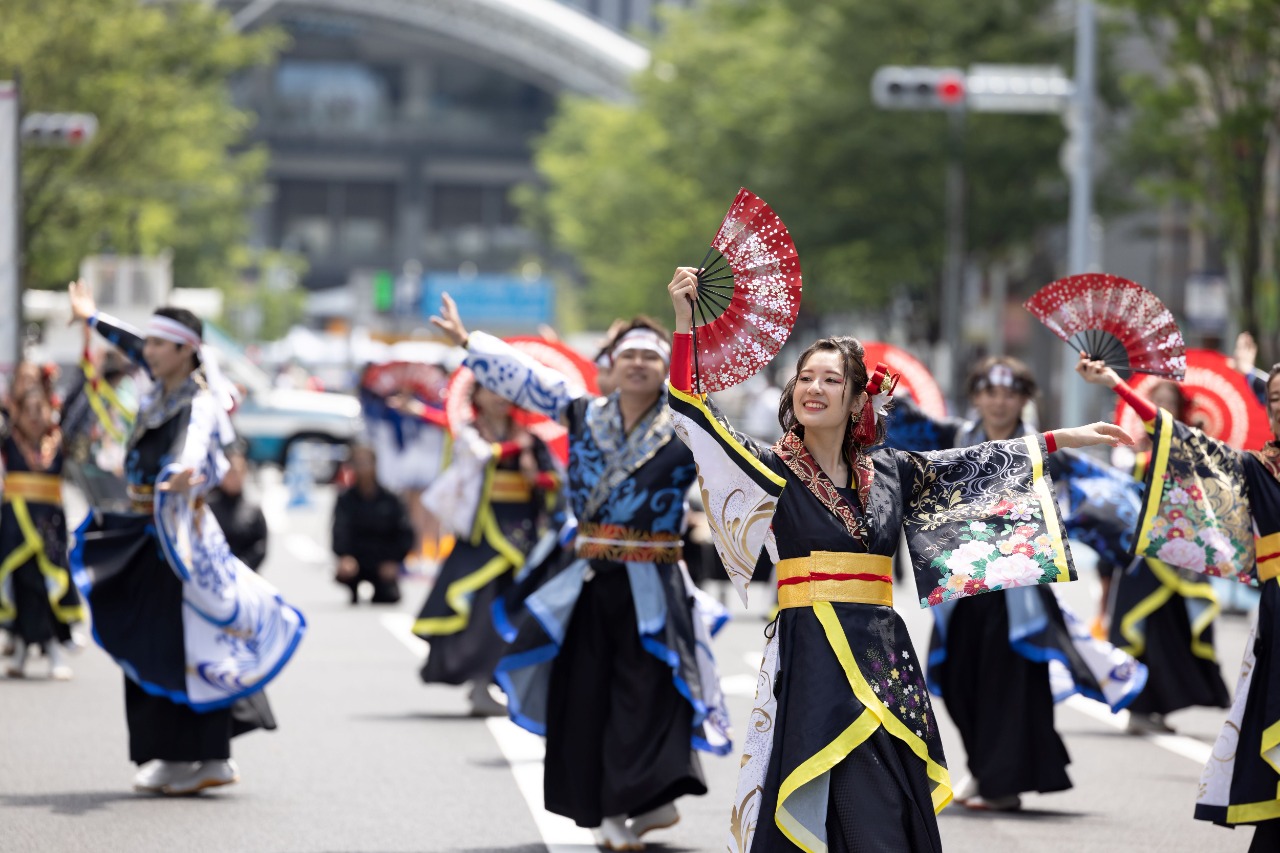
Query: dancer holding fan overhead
x=1161, y=614
x=1215, y=510
x=843, y=746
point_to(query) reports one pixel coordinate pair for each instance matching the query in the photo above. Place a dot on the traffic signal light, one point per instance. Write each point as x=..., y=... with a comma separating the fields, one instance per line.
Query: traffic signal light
x=59, y=130
x=897, y=88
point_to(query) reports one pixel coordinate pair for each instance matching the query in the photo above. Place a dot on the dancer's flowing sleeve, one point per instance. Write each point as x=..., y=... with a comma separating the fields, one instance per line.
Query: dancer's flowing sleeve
x=739, y=480
x=982, y=518
x=506, y=371
x=1196, y=512
x=200, y=448
x=121, y=335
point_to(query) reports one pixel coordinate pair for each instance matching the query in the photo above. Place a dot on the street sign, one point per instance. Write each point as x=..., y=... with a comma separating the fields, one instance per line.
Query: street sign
x=1018, y=89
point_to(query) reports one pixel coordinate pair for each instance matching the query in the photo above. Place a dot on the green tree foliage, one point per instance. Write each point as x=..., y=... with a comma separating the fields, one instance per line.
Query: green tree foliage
x=775, y=95
x=1206, y=131
x=163, y=171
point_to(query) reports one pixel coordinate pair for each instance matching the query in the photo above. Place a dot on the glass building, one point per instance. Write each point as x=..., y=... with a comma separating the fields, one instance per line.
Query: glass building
x=397, y=128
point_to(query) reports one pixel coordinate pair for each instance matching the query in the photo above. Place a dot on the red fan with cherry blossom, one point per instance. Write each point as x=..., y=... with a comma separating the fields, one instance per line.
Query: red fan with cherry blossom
x=553, y=354
x=1219, y=402
x=748, y=295
x=1114, y=320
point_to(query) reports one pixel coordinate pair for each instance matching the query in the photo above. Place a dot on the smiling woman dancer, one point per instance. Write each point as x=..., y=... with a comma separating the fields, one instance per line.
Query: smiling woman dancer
x=852, y=758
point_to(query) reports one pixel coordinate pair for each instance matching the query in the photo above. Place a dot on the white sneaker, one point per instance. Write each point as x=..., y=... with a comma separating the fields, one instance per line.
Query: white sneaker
x=18, y=660
x=59, y=670
x=155, y=774
x=482, y=702
x=204, y=774
x=613, y=834
x=966, y=790
x=659, y=818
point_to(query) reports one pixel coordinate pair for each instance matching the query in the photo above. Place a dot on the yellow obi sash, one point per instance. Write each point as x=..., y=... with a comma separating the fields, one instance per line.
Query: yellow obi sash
x=1268, y=550
x=510, y=487
x=624, y=545
x=33, y=487
x=835, y=576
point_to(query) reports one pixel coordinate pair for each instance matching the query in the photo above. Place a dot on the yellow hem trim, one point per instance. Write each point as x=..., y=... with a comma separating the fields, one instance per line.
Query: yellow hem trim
x=1155, y=490
x=508, y=559
x=1048, y=508
x=1253, y=812
x=820, y=762
x=1271, y=740
x=826, y=614
x=697, y=403
x=32, y=547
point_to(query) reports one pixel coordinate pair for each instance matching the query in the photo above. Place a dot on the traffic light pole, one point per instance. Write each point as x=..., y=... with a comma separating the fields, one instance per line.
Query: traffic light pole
x=10, y=227
x=1081, y=214
x=953, y=279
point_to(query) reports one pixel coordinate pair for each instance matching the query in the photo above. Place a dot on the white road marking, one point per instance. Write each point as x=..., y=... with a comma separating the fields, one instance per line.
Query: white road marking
x=741, y=684
x=523, y=751
x=1187, y=747
x=306, y=550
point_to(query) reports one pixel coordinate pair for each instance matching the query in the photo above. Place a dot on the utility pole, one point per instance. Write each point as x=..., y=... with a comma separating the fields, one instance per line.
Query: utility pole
x=953, y=281
x=10, y=225
x=1079, y=258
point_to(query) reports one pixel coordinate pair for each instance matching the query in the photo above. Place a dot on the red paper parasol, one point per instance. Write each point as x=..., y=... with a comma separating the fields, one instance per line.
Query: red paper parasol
x=553, y=354
x=916, y=378
x=1115, y=321
x=1220, y=402
x=748, y=297
x=425, y=381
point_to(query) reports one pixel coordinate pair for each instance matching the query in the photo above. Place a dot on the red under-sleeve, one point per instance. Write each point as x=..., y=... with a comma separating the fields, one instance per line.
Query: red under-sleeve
x=547, y=481
x=507, y=449
x=1144, y=409
x=682, y=361
x=1050, y=443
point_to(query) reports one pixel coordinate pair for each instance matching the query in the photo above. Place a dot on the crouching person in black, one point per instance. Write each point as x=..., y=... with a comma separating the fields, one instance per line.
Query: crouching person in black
x=371, y=533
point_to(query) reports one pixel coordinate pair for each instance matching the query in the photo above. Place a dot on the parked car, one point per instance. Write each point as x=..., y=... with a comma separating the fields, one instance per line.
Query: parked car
x=275, y=423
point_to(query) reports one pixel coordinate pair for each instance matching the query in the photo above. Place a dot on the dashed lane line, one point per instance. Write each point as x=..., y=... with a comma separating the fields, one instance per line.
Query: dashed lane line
x=524, y=753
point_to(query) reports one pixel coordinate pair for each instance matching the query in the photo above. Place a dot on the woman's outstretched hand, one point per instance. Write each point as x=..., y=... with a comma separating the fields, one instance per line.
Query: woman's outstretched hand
x=449, y=321
x=1096, y=372
x=1092, y=435
x=684, y=289
x=82, y=305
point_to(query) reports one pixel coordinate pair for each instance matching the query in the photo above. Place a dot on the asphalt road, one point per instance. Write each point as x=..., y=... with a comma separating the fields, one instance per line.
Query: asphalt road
x=369, y=759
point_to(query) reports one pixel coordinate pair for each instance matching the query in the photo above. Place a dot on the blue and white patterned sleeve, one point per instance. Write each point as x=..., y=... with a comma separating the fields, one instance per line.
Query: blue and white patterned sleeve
x=121, y=335
x=201, y=448
x=509, y=373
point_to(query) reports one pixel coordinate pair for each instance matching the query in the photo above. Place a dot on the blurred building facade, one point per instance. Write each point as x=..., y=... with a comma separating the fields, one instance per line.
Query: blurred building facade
x=397, y=128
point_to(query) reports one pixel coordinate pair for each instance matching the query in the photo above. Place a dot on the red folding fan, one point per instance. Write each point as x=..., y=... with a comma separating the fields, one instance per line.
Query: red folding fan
x=553, y=354
x=1115, y=321
x=1219, y=402
x=748, y=295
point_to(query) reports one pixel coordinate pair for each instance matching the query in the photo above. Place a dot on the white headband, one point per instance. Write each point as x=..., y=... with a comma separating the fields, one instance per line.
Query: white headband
x=168, y=329
x=643, y=339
